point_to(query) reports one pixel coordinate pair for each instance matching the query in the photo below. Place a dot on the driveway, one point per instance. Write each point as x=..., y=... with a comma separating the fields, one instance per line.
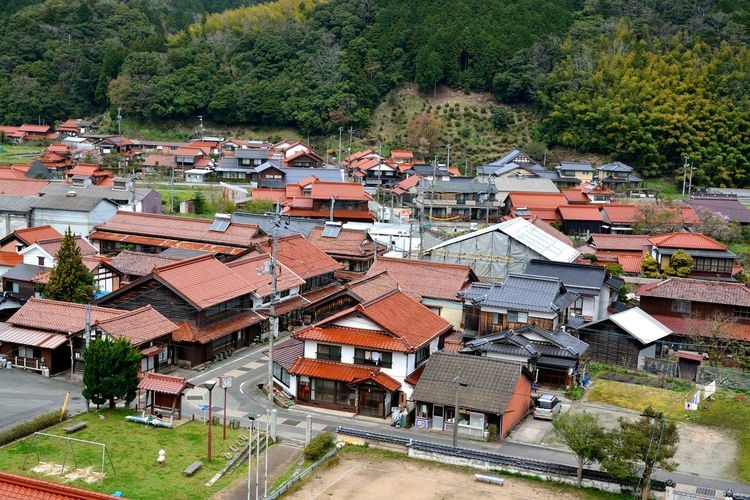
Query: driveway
x=702, y=451
x=26, y=394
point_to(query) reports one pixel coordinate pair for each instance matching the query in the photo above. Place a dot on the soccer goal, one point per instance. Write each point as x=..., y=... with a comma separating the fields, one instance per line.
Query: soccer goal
x=69, y=445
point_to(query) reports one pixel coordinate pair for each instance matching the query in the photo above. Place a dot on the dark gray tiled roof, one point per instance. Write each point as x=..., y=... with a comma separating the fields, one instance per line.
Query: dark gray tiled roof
x=490, y=382
x=529, y=341
x=291, y=226
x=13, y=203
x=24, y=272
x=630, y=178
x=580, y=167
x=615, y=166
x=458, y=185
x=256, y=154
x=728, y=207
x=585, y=279
x=71, y=203
x=523, y=293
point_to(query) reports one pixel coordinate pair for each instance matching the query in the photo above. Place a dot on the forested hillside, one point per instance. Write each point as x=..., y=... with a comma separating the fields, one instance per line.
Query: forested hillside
x=646, y=82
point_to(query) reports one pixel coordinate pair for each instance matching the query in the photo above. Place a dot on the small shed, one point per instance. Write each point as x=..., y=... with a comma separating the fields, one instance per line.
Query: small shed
x=163, y=392
x=688, y=364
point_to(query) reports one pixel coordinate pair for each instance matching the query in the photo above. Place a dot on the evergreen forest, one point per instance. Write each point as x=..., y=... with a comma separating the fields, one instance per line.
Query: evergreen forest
x=646, y=82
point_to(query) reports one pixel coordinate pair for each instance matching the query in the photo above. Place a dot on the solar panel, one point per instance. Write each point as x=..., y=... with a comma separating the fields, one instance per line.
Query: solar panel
x=219, y=225
x=331, y=231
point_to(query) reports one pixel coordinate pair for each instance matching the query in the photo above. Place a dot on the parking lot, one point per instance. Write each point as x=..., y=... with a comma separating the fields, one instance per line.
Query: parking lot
x=26, y=394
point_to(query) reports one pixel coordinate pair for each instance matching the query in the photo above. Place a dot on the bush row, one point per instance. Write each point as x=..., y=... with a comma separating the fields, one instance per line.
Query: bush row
x=26, y=428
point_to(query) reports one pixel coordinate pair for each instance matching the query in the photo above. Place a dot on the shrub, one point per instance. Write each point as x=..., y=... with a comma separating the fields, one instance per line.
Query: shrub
x=318, y=446
x=590, y=257
x=501, y=118
x=27, y=428
x=574, y=393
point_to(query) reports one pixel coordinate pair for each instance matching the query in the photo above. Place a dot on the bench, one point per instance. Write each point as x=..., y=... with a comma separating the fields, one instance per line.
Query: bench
x=192, y=468
x=75, y=427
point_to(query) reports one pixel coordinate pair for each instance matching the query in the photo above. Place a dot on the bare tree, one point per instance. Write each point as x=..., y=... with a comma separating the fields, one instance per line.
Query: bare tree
x=717, y=339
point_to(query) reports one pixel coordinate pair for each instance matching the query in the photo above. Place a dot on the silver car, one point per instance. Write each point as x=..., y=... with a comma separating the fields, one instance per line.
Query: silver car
x=547, y=406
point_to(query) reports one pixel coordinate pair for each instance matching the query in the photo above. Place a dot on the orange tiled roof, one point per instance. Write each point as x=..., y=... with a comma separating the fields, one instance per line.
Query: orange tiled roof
x=10, y=259
x=268, y=194
x=453, y=342
x=580, y=212
x=620, y=213
x=341, y=190
x=548, y=201
x=40, y=129
x=303, y=256
x=351, y=374
x=179, y=228
x=345, y=215
x=695, y=326
x=687, y=241
x=630, y=263
x=187, y=332
x=31, y=235
x=397, y=154
x=427, y=279
x=58, y=316
x=13, y=487
x=138, y=326
x=20, y=186
x=575, y=196
x=349, y=242
x=376, y=285
x=261, y=283
x=710, y=291
x=409, y=324
x=203, y=281
x=165, y=384
x=354, y=336
x=615, y=242
x=88, y=169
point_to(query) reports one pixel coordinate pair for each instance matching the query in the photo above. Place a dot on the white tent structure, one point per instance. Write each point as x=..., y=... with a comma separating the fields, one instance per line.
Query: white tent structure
x=498, y=250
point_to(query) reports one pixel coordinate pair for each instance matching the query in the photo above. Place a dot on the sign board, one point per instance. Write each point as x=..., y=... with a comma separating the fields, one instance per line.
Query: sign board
x=691, y=406
x=709, y=389
x=226, y=382
x=696, y=398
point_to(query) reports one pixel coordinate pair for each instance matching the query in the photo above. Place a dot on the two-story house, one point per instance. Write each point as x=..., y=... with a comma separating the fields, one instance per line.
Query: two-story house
x=573, y=173
x=618, y=176
x=595, y=287
x=691, y=307
x=358, y=359
x=354, y=249
x=710, y=258
x=459, y=198
x=520, y=300
x=213, y=305
x=241, y=166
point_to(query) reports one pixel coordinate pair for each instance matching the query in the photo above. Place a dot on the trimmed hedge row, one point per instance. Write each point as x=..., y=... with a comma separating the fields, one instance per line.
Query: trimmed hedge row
x=26, y=428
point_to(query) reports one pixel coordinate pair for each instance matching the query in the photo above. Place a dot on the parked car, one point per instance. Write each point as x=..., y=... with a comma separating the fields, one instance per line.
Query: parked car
x=547, y=406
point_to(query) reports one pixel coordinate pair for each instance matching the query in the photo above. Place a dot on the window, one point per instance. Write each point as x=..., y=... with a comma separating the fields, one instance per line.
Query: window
x=497, y=318
x=330, y=391
x=375, y=358
x=281, y=374
x=460, y=198
x=577, y=307
x=518, y=317
x=422, y=354
x=329, y=352
x=15, y=287
x=435, y=309
x=164, y=356
x=40, y=261
x=284, y=293
x=681, y=306
x=713, y=265
x=29, y=352
x=742, y=312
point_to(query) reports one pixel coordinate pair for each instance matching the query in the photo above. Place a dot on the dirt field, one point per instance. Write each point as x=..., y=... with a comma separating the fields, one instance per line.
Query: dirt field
x=364, y=477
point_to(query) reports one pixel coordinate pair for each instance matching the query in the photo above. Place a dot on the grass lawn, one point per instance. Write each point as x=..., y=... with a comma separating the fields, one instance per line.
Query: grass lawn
x=666, y=188
x=729, y=411
x=12, y=153
x=739, y=248
x=133, y=449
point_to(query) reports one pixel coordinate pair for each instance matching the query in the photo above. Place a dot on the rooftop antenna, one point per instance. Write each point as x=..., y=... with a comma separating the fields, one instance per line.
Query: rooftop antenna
x=119, y=121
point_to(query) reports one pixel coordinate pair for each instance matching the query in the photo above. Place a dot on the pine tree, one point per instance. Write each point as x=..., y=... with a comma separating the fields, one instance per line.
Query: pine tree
x=649, y=267
x=110, y=371
x=681, y=264
x=69, y=280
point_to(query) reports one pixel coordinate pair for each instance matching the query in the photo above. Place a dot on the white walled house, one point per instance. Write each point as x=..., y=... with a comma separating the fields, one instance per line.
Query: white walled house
x=359, y=359
x=80, y=213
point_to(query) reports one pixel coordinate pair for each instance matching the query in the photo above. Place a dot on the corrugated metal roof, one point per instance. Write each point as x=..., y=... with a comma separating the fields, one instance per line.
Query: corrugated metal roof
x=639, y=324
x=24, y=336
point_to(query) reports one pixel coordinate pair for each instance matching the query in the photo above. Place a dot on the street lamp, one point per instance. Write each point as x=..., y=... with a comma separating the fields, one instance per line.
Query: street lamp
x=250, y=455
x=209, y=384
x=458, y=382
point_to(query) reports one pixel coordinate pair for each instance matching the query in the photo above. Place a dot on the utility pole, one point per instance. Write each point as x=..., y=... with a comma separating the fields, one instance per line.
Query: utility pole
x=684, y=174
x=272, y=309
x=200, y=117
x=119, y=120
x=448, y=160
x=459, y=384
x=432, y=186
x=333, y=202
x=351, y=132
x=421, y=221
x=690, y=181
x=341, y=129
x=171, y=188
x=87, y=324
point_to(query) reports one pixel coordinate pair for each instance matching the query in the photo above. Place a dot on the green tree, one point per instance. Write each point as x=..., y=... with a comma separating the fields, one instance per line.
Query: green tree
x=110, y=371
x=70, y=280
x=614, y=269
x=583, y=434
x=199, y=203
x=501, y=117
x=636, y=448
x=681, y=264
x=649, y=267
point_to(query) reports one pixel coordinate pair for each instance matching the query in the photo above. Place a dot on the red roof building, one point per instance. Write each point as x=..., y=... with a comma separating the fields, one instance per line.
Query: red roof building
x=14, y=487
x=710, y=258
x=354, y=249
x=542, y=205
x=358, y=359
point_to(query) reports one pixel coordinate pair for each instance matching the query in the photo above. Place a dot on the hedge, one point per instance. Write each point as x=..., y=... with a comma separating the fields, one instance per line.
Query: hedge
x=26, y=428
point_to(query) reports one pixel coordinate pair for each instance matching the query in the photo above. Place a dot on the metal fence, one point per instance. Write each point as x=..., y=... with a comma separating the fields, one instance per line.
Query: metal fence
x=298, y=477
x=724, y=377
